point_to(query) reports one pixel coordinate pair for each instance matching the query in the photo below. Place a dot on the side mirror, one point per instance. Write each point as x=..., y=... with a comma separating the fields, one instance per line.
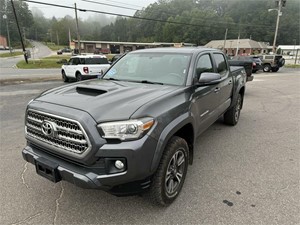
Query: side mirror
x=209, y=78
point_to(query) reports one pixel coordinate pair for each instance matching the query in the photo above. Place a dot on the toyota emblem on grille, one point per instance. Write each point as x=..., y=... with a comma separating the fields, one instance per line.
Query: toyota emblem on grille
x=47, y=128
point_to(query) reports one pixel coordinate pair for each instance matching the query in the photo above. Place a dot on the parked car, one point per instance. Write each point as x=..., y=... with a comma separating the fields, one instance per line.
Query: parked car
x=83, y=67
x=247, y=63
x=256, y=61
x=115, y=58
x=135, y=129
x=64, y=50
x=272, y=62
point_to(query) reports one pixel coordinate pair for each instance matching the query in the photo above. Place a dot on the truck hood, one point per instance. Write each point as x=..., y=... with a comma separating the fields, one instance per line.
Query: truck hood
x=106, y=100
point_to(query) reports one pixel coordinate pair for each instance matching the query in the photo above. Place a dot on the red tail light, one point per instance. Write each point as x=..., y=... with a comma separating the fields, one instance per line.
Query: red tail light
x=253, y=64
x=86, y=69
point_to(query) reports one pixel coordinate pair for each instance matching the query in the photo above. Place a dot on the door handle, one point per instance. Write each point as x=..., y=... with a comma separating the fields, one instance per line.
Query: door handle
x=217, y=89
x=229, y=82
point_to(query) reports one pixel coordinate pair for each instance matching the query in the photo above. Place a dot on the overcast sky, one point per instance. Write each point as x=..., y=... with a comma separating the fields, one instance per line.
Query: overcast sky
x=50, y=11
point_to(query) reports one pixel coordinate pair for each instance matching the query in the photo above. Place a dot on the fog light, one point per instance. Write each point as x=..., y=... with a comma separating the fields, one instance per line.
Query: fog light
x=119, y=164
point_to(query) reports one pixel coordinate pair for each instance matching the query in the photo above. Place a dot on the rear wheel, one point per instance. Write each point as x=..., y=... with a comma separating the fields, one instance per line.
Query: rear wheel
x=275, y=69
x=64, y=76
x=231, y=117
x=267, y=68
x=170, y=175
x=78, y=76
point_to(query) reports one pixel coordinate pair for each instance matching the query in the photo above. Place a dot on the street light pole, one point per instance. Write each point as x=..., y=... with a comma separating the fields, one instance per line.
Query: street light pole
x=77, y=28
x=7, y=30
x=279, y=13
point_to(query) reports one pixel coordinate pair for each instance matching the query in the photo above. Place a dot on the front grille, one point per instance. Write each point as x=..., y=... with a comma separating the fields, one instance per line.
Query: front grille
x=65, y=134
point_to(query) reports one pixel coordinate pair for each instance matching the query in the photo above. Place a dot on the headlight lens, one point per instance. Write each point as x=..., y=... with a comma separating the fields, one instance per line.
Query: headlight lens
x=126, y=130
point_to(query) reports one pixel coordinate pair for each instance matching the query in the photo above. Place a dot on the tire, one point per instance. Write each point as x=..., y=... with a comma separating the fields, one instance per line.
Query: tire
x=275, y=69
x=281, y=62
x=267, y=68
x=231, y=117
x=78, y=76
x=168, y=180
x=64, y=77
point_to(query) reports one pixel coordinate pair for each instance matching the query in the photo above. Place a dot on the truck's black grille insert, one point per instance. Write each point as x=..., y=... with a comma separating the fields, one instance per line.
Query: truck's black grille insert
x=63, y=133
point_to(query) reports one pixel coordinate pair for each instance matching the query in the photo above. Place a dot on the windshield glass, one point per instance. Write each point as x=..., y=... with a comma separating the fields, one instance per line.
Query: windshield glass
x=165, y=68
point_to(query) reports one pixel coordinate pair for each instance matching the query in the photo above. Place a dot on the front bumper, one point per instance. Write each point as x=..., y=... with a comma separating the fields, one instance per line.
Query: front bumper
x=67, y=171
x=136, y=155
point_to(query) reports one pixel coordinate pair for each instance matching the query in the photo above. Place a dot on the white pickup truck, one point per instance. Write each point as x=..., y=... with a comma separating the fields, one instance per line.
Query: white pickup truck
x=83, y=67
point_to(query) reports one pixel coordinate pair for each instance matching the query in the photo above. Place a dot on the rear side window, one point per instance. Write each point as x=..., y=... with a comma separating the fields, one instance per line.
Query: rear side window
x=221, y=64
x=89, y=61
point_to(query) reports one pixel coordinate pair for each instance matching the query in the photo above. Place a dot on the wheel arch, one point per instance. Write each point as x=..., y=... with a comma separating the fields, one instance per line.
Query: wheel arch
x=242, y=93
x=183, y=127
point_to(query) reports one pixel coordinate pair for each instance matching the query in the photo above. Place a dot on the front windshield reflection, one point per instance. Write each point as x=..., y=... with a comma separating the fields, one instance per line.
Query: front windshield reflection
x=166, y=68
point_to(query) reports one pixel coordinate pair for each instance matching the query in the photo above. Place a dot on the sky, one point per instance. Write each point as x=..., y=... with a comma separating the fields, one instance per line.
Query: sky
x=50, y=11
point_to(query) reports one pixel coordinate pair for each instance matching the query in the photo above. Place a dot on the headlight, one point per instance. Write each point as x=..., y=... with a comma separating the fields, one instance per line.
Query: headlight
x=126, y=130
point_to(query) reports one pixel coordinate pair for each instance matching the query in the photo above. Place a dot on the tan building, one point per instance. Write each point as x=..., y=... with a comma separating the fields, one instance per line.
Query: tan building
x=120, y=47
x=241, y=46
x=3, y=42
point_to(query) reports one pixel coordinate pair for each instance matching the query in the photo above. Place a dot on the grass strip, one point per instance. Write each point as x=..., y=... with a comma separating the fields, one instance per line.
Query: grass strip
x=8, y=54
x=39, y=64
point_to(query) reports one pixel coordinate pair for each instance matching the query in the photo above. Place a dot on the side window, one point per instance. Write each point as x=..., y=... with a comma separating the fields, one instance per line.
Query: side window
x=221, y=64
x=81, y=61
x=75, y=61
x=204, y=65
x=70, y=62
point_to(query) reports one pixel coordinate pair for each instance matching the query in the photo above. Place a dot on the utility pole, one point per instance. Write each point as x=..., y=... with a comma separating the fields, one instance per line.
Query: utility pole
x=77, y=28
x=237, y=45
x=280, y=3
x=225, y=38
x=23, y=46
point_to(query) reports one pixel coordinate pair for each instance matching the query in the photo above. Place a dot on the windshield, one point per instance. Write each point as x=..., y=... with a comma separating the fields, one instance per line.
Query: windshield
x=163, y=68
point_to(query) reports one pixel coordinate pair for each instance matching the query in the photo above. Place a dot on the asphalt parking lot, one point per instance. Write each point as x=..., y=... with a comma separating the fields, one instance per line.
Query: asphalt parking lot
x=247, y=174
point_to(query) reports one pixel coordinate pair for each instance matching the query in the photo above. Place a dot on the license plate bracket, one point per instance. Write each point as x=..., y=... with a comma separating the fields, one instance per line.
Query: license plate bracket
x=47, y=169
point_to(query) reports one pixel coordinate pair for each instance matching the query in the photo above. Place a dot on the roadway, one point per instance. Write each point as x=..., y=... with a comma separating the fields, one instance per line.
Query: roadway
x=247, y=174
x=8, y=69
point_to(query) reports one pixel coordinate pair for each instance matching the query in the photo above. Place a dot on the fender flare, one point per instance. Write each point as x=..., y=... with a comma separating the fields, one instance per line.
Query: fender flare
x=165, y=136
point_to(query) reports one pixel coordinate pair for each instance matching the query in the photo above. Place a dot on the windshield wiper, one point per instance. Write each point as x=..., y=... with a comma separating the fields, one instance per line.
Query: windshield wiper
x=150, y=82
x=111, y=78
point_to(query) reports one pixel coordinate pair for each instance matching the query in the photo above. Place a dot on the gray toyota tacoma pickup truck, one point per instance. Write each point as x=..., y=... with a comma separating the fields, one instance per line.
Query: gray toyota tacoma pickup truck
x=134, y=129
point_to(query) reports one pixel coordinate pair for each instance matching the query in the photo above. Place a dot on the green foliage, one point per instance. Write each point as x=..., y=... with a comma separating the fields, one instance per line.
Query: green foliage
x=38, y=64
x=200, y=21
x=208, y=21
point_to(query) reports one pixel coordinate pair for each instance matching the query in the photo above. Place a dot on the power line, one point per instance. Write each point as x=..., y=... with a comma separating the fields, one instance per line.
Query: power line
x=169, y=13
x=117, y=6
x=113, y=14
x=140, y=18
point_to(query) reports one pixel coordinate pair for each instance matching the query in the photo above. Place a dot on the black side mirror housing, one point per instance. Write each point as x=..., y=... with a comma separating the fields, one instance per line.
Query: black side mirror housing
x=209, y=78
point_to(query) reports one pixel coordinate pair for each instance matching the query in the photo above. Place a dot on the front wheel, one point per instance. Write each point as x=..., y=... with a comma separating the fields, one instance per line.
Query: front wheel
x=231, y=117
x=64, y=76
x=170, y=175
x=78, y=76
x=267, y=68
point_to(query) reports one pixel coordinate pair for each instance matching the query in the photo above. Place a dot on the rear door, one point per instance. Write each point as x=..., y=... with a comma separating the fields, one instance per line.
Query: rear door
x=226, y=84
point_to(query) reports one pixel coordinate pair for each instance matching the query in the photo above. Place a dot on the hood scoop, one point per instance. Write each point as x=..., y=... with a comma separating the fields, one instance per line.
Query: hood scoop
x=90, y=90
